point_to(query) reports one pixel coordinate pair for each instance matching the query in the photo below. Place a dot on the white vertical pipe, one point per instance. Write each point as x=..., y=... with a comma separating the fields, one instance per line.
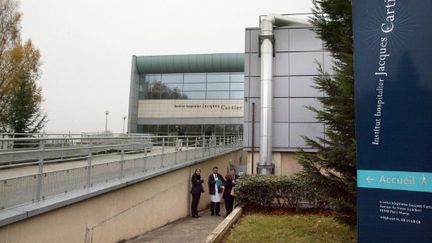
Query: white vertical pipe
x=266, y=96
x=266, y=35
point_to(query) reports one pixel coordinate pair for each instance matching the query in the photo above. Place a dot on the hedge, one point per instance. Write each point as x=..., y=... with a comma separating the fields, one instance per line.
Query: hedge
x=277, y=191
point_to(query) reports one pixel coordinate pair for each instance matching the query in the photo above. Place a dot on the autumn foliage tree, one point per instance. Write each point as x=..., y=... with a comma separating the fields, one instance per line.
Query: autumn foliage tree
x=20, y=96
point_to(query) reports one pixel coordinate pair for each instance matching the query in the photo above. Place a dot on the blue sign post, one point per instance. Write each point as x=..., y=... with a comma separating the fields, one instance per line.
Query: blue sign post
x=393, y=75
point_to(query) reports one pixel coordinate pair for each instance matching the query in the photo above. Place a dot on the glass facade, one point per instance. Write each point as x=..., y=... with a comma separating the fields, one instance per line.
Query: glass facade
x=228, y=85
x=192, y=130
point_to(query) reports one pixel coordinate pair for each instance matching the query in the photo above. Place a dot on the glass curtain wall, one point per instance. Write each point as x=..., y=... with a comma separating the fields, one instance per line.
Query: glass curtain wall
x=192, y=130
x=192, y=86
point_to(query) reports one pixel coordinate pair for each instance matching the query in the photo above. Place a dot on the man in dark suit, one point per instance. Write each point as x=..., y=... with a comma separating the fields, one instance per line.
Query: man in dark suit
x=215, y=183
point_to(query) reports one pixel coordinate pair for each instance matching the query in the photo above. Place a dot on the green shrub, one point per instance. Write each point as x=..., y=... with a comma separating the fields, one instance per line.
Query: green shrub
x=279, y=191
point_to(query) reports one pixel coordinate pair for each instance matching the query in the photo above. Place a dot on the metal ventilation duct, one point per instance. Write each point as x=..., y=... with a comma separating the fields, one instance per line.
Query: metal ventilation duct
x=267, y=41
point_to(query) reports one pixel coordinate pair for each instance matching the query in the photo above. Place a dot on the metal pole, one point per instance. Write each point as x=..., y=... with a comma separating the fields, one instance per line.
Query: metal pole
x=145, y=155
x=204, y=145
x=106, y=121
x=122, y=160
x=40, y=169
x=176, y=150
x=253, y=136
x=195, y=147
x=124, y=120
x=63, y=141
x=163, y=152
x=89, y=165
x=187, y=147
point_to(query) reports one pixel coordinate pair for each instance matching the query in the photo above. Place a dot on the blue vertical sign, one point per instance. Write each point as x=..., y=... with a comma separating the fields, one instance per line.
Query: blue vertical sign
x=393, y=76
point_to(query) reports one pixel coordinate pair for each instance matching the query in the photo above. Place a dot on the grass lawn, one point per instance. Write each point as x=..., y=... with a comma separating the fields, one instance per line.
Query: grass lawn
x=301, y=228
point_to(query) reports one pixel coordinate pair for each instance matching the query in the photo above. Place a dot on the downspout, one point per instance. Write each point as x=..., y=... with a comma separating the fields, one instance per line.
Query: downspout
x=253, y=136
x=266, y=42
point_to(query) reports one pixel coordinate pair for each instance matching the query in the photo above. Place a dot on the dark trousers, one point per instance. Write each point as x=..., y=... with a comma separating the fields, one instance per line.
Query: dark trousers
x=214, y=208
x=194, y=205
x=229, y=203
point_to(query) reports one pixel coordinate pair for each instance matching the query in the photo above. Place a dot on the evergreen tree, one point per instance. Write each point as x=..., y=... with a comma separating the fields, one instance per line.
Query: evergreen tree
x=24, y=114
x=332, y=169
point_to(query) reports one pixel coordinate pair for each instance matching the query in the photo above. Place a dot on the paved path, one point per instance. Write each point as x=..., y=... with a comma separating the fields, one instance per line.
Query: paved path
x=190, y=230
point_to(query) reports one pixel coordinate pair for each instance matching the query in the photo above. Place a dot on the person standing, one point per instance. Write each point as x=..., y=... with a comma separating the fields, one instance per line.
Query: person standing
x=215, y=183
x=227, y=194
x=196, y=191
x=235, y=178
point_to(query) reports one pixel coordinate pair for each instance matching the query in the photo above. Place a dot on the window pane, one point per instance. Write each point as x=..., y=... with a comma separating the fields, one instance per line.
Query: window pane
x=209, y=129
x=237, y=86
x=172, y=129
x=237, y=77
x=236, y=94
x=163, y=129
x=172, y=78
x=141, y=95
x=175, y=86
x=146, y=95
x=192, y=130
x=150, y=129
x=218, y=77
x=219, y=129
x=218, y=86
x=217, y=94
x=194, y=77
x=165, y=95
x=175, y=95
x=141, y=87
x=194, y=95
x=152, y=77
x=194, y=87
x=234, y=129
x=153, y=95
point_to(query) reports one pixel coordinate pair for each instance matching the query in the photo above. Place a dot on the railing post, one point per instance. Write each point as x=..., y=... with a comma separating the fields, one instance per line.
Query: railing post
x=40, y=169
x=212, y=145
x=63, y=145
x=176, y=150
x=122, y=159
x=89, y=163
x=163, y=152
x=204, y=145
x=187, y=147
x=195, y=147
x=145, y=155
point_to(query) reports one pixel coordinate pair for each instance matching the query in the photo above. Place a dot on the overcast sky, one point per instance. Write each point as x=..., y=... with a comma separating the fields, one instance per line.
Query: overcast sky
x=87, y=47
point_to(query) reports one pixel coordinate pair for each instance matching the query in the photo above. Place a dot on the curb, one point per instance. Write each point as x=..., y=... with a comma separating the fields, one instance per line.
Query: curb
x=217, y=234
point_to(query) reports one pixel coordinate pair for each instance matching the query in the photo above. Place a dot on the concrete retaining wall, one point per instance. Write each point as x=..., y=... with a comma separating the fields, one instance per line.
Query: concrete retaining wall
x=120, y=214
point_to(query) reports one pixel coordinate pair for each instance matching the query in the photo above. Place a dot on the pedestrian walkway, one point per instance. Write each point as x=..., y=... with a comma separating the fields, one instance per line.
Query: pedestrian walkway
x=191, y=230
x=83, y=162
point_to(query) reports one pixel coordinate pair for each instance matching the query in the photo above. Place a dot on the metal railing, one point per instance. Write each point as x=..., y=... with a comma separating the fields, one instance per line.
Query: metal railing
x=46, y=166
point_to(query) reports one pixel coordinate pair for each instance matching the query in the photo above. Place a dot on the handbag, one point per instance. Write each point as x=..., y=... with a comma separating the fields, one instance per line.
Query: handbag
x=232, y=192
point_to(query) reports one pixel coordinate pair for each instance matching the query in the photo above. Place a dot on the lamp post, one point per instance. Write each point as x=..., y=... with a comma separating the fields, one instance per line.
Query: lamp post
x=124, y=120
x=106, y=121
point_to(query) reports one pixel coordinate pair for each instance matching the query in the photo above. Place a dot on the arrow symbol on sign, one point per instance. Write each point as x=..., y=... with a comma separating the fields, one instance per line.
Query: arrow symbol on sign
x=369, y=179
